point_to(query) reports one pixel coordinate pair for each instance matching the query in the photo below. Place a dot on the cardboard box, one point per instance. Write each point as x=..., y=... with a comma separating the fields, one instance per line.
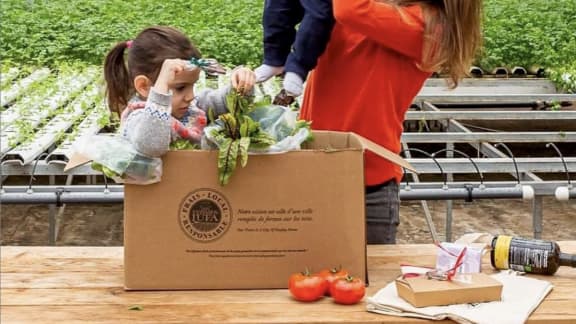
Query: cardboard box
x=280, y=214
x=421, y=291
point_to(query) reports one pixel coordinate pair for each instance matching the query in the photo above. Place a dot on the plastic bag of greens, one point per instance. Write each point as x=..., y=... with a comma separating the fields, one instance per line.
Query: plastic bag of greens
x=250, y=127
x=283, y=125
x=279, y=122
x=117, y=159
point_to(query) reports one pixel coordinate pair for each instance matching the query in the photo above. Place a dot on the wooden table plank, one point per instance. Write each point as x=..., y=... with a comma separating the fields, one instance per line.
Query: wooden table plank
x=75, y=284
x=322, y=312
x=95, y=279
x=38, y=264
x=117, y=295
x=47, y=252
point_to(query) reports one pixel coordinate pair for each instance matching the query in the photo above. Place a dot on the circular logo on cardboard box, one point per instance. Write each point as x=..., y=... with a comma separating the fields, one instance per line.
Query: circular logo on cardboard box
x=205, y=215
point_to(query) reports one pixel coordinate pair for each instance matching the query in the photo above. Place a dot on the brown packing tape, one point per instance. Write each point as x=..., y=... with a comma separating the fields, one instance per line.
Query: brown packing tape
x=385, y=153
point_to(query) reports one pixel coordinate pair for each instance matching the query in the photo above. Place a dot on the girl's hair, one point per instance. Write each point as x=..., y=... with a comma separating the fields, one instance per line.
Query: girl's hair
x=452, y=35
x=146, y=53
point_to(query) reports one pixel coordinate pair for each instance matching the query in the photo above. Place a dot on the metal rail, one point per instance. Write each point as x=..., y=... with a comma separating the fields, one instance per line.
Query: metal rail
x=494, y=137
x=491, y=115
x=499, y=98
x=59, y=195
x=485, y=85
x=423, y=165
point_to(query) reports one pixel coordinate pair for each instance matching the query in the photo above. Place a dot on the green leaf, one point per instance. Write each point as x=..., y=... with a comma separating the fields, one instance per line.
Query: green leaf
x=182, y=144
x=265, y=101
x=245, y=103
x=244, y=128
x=227, y=158
x=135, y=308
x=211, y=117
x=261, y=140
x=243, y=150
x=231, y=102
x=230, y=125
x=253, y=127
x=109, y=173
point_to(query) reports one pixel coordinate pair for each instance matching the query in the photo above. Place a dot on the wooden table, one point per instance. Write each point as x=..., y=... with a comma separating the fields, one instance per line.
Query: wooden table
x=78, y=284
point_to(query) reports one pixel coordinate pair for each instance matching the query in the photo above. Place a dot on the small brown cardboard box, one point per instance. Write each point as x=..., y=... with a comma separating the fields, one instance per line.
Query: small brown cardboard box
x=279, y=215
x=421, y=291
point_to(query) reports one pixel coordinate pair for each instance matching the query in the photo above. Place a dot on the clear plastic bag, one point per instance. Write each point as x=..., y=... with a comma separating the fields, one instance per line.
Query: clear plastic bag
x=117, y=159
x=448, y=254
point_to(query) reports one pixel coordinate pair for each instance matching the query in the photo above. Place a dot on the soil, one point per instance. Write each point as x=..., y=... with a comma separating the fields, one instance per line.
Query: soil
x=101, y=225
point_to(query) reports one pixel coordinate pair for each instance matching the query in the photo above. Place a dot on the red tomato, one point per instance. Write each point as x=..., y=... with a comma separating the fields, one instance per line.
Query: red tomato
x=306, y=287
x=348, y=290
x=330, y=275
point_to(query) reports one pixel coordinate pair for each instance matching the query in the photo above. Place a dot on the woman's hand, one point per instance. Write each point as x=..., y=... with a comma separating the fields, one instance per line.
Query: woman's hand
x=243, y=80
x=170, y=69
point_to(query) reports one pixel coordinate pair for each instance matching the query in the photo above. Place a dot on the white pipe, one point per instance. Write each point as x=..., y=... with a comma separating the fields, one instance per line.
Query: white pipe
x=469, y=194
x=565, y=193
x=71, y=195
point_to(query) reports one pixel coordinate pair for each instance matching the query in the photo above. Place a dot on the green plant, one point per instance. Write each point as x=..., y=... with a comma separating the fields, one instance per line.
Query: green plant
x=564, y=77
x=38, y=33
x=516, y=32
x=529, y=33
x=183, y=144
x=237, y=134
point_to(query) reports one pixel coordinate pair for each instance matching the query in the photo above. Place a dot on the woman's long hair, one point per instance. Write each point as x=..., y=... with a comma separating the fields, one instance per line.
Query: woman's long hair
x=452, y=35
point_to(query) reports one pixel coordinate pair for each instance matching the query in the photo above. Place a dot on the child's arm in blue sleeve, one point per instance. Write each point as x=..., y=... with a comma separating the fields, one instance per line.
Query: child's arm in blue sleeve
x=279, y=20
x=312, y=37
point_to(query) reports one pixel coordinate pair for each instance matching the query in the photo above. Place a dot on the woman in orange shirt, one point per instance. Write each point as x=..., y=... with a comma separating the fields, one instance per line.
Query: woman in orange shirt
x=378, y=57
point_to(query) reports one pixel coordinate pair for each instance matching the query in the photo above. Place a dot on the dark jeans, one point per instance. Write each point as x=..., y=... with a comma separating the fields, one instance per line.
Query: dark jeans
x=382, y=213
x=297, y=52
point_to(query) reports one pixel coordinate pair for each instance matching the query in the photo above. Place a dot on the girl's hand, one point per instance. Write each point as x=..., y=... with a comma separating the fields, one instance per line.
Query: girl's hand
x=170, y=69
x=243, y=79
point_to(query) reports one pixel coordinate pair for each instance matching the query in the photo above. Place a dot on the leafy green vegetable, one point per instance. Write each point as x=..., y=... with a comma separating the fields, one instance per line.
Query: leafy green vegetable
x=238, y=134
x=516, y=32
x=303, y=124
x=109, y=173
x=529, y=33
x=564, y=77
x=182, y=144
x=36, y=32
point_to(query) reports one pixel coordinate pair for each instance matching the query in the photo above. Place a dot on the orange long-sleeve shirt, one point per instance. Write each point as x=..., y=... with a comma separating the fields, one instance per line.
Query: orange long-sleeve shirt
x=367, y=78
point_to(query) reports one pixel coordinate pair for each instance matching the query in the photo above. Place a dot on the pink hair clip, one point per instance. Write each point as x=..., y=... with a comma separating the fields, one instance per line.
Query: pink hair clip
x=129, y=43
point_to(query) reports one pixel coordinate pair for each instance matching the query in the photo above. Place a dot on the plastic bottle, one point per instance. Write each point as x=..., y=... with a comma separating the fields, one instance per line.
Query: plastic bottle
x=528, y=255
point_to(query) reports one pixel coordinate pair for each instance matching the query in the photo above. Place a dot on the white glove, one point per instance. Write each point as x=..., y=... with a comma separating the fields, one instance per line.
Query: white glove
x=293, y=84
x=265, y=72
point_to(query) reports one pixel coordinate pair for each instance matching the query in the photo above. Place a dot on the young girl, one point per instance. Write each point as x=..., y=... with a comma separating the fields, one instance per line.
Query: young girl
x=153, y=89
